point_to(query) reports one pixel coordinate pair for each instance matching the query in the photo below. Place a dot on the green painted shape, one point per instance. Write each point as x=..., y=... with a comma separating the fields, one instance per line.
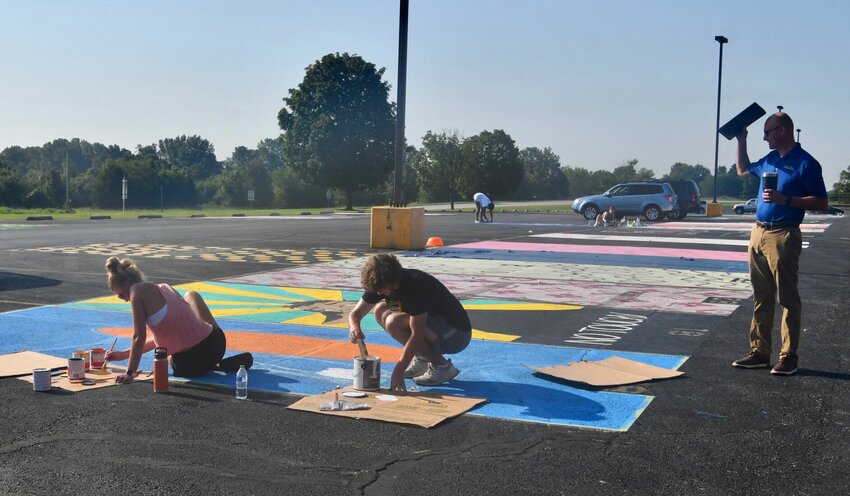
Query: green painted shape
x=493, y=302
x=112, y=307
x=351, y=295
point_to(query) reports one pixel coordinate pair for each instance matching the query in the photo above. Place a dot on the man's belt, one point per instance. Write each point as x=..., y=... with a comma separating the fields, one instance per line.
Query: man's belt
x=770, y=226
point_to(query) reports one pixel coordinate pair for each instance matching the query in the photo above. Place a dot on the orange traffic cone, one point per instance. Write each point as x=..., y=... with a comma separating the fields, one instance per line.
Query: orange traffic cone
x=433, y=242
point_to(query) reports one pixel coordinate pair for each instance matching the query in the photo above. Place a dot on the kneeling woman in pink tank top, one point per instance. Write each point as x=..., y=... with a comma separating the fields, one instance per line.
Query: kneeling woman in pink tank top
x=185, y=327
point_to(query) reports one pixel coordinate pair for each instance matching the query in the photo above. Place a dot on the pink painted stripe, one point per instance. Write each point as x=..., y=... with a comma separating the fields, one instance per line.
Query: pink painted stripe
x=733, y=256
x=803, y=227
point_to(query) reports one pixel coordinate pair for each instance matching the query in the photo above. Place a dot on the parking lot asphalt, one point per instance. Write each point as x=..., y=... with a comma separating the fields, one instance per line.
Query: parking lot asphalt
x=716, y=430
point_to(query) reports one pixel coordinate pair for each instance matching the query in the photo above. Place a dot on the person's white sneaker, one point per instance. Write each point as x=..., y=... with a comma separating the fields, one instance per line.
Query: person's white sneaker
x=417, y=367
x=437, y=374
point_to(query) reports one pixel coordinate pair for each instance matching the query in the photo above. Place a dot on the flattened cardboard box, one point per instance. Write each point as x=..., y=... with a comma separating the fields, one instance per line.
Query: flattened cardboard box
x=23, y=362
x=612, y=371
x=413, y=408
x=101, y=379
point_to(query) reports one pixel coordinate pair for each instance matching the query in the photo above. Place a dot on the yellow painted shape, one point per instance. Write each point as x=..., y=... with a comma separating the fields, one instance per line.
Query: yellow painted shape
x=493, y=336
x=521, y=306
x=105, y=299
x=205, y=288
x=316, y=294
x=316, y=319
x=244, y=304
x=231, y=312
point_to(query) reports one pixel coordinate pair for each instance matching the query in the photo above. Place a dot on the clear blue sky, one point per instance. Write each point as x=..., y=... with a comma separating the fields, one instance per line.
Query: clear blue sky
x=598, y=81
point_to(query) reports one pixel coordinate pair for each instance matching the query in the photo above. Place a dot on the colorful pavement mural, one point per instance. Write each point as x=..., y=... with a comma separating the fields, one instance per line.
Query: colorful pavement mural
x=534, y=301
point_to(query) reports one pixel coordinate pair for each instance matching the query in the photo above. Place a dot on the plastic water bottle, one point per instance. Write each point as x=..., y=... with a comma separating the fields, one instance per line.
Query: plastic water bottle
x=242, y=383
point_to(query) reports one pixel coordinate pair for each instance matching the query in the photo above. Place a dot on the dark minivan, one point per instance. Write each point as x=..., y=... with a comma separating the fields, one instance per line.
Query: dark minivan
x=689, y=197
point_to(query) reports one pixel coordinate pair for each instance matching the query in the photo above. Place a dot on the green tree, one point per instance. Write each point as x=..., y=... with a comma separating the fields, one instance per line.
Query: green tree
x=438, y=166
x=629, y=172
x=11, y=187
x=841, y=189
x=193, y=153
x=490, y=164
x=543, y=177
x=681, y=170
x=339, y=125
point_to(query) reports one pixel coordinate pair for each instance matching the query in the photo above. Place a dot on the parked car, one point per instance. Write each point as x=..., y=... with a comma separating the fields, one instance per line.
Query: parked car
x=688, y=194
x=653, y=200
x=748, y=207
x=830, y=210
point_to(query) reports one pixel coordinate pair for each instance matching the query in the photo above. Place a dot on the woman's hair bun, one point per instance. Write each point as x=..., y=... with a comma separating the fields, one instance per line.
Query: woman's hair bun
x=112, y=264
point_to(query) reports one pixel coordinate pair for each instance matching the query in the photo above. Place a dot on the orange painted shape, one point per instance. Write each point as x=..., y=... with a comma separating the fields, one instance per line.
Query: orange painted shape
x=283, y=344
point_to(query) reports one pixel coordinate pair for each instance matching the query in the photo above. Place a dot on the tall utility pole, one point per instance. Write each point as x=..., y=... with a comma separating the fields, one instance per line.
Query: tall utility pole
x=67, y=196
x=721, y=40
x=401, y=94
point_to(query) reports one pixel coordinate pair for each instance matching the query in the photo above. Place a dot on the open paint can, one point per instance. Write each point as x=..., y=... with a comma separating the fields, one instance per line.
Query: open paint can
x=367, y=373
x=84, y=354
x=98, y=356
x=41, y=379
x=76, y=369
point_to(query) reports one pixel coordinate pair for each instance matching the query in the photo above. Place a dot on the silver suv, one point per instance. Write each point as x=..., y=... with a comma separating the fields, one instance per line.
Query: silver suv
x=652, y=200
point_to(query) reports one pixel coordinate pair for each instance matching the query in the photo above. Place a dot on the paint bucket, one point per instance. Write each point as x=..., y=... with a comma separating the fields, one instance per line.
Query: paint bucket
x=98, y=356
x=367, y=373
x=76, y=369
x=84, y=354
x=41, y=379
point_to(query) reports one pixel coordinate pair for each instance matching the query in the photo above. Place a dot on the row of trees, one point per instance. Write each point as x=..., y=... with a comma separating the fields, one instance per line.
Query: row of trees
x=337, y=134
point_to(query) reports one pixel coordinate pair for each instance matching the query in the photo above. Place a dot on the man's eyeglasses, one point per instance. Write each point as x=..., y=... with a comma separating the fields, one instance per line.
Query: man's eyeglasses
x=768, y=131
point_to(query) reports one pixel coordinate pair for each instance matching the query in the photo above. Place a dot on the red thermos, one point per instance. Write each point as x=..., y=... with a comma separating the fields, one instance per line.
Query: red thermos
x=160, y=370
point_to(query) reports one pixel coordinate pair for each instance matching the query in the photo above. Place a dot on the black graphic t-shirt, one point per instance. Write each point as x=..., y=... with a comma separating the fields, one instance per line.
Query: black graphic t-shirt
x=420, y=292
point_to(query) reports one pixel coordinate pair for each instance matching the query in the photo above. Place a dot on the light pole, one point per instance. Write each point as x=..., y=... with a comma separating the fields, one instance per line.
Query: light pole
x=401, y=94
x=124, y=194
x=780, y=107
x=798, y=136
x=715, y=211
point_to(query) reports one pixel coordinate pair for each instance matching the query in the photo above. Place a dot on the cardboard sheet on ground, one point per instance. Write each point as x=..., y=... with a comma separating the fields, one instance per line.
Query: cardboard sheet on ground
x=101, y=379
x=23, y=362
x=612, y=371
x=420, y=409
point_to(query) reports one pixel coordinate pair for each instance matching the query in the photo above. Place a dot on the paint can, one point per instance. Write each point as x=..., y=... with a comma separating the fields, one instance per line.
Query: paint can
x=76, y=369
x=98, y=356
x=367, y=373
x=84, y=354
x=41, y=379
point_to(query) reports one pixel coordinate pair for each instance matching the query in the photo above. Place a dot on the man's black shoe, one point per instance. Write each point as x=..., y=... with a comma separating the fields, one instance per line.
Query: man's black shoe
x=754, y=360
x=786, y=366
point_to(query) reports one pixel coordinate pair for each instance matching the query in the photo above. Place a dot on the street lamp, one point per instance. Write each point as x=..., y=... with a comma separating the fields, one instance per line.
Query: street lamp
x=124, y=194
x=780, y=107
x=401, y=91
x=719, y=39
x=798, y=136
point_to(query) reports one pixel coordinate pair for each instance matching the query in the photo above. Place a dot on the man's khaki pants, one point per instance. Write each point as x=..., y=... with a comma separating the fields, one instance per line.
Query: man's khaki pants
x=774, y=260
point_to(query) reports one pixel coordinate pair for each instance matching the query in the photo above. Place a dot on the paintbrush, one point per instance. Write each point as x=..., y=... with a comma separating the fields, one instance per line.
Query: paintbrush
x=102, y=367
x=361, y=343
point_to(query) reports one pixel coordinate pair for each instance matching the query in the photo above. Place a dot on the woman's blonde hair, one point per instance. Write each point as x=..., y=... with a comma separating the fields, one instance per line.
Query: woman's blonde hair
x=119, y=272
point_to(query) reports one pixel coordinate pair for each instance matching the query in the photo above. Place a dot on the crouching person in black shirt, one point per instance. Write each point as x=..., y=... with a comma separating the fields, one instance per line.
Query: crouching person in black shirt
x=417, y=311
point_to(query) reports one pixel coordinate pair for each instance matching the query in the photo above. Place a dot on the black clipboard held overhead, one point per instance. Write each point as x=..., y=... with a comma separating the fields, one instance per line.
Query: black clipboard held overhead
x=741, y=121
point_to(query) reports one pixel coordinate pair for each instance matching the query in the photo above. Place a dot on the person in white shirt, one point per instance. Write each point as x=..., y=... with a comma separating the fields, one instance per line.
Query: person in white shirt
x=482, y=203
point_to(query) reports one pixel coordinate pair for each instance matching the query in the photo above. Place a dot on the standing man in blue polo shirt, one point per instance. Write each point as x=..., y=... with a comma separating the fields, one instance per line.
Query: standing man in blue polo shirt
x=775, y=240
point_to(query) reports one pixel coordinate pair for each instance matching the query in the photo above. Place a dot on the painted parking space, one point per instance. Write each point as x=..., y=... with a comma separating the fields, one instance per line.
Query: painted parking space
x=496, y=370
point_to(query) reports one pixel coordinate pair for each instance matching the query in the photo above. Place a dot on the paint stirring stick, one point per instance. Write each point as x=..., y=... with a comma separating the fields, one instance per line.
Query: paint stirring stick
x=102, y=367
x=362, y=345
